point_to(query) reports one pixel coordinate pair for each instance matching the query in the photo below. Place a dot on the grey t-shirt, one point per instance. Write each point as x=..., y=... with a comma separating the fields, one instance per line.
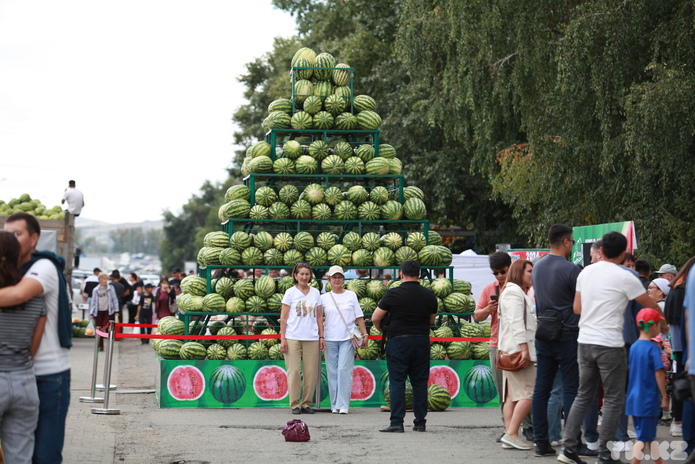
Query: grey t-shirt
x=17, y=326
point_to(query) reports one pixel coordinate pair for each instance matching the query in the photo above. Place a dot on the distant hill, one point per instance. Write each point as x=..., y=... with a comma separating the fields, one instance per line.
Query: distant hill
x=99, y=230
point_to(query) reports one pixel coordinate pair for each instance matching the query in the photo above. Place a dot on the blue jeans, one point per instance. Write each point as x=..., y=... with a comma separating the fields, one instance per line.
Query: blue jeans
x=408, y=357
x=54, y=398
x=598, y=364
x=340, y=360
x=19, y=413
x=553, y=358
x=555, y=410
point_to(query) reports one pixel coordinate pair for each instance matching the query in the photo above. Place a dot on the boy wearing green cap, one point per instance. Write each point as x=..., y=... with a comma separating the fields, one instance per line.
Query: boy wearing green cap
x=646, y=392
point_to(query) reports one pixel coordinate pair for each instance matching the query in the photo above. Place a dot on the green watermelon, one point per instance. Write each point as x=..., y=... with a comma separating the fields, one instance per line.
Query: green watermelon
x=354, y=166
x=365, y=152
x=243, y=288
x=437, y=352
x=236, y=352
x=265, y=286
x=323, y=120
x=278, y=211
x=300, y=209
x=256, y=304
x=227, y=384
x=383, y=257
x=364, y=103
x=433, y=238
x=269, y=342
x=305, y=164
x=371, y=241
x=261, y=148
x=313, y=193
x=379, y=195
x=339, y=255
x=387, y=151
x=275, y=303
x=323, y=89
x=252, y=256
x=216, y=352
x=257, y=351
x=332, y=164
x=343, y=150
x=230, y=257
x=405, y=253
x=283, y=241
x=362, y=257
x=481, y=351
x=213, y=303
x=225, y=287
x=263, y=240
x=275, y=354
x=237, y=192
x=260, y=165
x=281, y=104
x=357, y=194
x=335, y=104
x=288, y=194
x=293, y=257
x=430, y=256
x=345, y=121
x=459, y=350
x=265, y=196
x=461, y=286
x=316, y=256
x=318, y=150
x=326, y=240
x=479, y=385
x=259, y=212
x=234, y=209
x=392, y=240
x=438, y=397
x=441, y=287
x=359, y=286
x=170, y=349
x=284, y=166
x=395, y=166
x=345, y=211
x=216, y=239
x=240, y=240
x=352, y=241
x=413, y=192
x=313, y=104
x=370, y=353
x=367, y=305
x=273, y=257
x=375, y=289
x=368, y=120
x=416, y=241
x=235, y=305
x=278, y=119
x=377, y=166
x=194, y=285
x=414, y=209
x=343, y=91
x=341, y=76
x=332, y=196
x=304, y=52
x=302, y=89
x=193, y=351
x=321, y=212
x=292, y=149
x=324, y=60
x=391, y=210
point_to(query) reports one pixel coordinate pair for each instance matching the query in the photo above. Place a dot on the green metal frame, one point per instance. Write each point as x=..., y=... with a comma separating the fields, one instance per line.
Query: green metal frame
x=354, y=137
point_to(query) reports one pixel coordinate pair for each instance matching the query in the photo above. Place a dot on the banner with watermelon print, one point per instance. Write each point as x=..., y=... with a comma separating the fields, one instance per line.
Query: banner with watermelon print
x=263, y=384
x=586, y=235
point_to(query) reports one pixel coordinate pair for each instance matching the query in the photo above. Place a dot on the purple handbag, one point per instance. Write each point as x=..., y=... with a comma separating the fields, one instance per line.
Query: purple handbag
x=296, y=430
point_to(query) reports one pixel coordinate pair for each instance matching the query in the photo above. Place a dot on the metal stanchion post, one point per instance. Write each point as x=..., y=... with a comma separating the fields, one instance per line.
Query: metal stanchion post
x=317, y=392
x=107, y=377
x=100, y=386
x=93, y=398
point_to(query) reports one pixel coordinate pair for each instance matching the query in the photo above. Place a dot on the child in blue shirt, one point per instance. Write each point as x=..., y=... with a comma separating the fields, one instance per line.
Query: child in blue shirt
x=646, y=392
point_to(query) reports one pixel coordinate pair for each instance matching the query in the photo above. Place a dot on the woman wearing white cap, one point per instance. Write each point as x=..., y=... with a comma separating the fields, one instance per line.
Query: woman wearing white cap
x=658, y=289
x=342, y=312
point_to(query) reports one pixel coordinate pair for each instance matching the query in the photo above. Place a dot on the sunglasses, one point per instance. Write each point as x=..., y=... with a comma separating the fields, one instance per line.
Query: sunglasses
x=499, y=272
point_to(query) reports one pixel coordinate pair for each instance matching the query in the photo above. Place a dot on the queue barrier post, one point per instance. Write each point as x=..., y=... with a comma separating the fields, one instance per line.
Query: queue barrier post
x=93, y=398
x=107, y=376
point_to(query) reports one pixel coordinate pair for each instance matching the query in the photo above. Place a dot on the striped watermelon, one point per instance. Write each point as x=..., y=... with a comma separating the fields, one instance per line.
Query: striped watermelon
x=216, y=239
x=437, y=352
x=278, y=211
x=170, y=349
x=362, y=257
x=256, y=304
x=459, y=351
x=395, y=167
x=273, y=257
x=383, y=257
x=343, y=150
x=370, y=353
x=375, y=289
x=413, y=192
x=265, y=196
x=268, y=342
x=481, y=351
x=341, y=76
x=292, y=149
x=354, y=166
x=265, y=286
x=289, y=194
x=321, y=212
x=303, y=52
x=369, y=211
x=235, y=209
x=230, y=257
x=206, y=257
x=324, y=60
x=303, y=241
x=194, y=285
x=275, y=303
x=216, y=352
x=302, y=89
x=259, y=212
x=430, y=256
x=236, y=352
x=345, y=211
x=444, y=332
x=352, y=241
x=278, y=119
x=213, y=303
x=414, y=209
x=365, y=152
x=438, y=398
x=391, y=210
x=461, y=286
x=441, y=287
x=227, y=384
x=257, y=351
x=318, y=150
x=260, y=165
x=479, y=385
x=193, y=351
x=335, y=104
x=313, y=193
x=252, y=256
x=261, y=148
x=305, y=164
x=405, y=253
x=326, y=240
x=387, y=151
x=359, y=286
x=333, y=164
x=455, y=302
x=433, y=238
x=446, y=257
x=345, y=121
x=281, y=104
x=235, y=305
x=225, y=287
x=377, y=166
x=240, y=240
x=379, y=195
x=170, y=325
x=313, y=104
x=303, y=73
x=368, y=120
x=371, y=241
x=244, y=289
x=263, y=240
x=237, y=192
x=416, y=241
x=364, y=103
x=283, y=241
x=195, y=304
x=275, y=354
x=323, y=120
x=323, y=89
x=215, y=326
x=357, y=194
x=471, y=329
x=300, y=209
x=339, y=255
x=293, y=257
x=392, y=240
x=316, y=256
x=367, y=305
x=343, y=91
x=332, y=196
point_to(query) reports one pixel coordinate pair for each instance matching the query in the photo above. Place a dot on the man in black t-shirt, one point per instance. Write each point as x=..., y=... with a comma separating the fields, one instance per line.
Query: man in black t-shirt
x=411, y=309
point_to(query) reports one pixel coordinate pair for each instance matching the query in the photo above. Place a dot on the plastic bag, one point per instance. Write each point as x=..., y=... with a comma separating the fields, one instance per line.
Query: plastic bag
x=136, y=330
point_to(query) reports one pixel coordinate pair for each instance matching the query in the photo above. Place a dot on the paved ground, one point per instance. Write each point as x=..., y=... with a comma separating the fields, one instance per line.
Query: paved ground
x=143, y=433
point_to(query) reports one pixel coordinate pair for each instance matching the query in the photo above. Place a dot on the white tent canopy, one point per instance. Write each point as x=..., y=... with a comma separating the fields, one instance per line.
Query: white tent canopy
x=473, y=268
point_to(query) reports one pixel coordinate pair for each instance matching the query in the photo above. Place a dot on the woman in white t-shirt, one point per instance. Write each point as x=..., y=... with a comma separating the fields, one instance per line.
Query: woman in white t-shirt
x=340, y=355
x=301, y=338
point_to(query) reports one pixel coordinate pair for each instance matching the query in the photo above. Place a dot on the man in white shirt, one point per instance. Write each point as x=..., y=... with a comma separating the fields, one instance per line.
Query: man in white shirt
x=603, y=292
x=52, y=360
x=74, y=198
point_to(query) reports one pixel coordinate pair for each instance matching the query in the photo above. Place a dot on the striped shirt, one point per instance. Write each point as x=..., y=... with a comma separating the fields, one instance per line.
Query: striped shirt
x=17, y=326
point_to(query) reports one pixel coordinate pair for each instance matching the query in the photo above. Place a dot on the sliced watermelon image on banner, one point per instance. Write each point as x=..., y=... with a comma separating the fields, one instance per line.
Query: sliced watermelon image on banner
x=186, y=383
x=363, y=384
x=446, y=377
x=270, y=383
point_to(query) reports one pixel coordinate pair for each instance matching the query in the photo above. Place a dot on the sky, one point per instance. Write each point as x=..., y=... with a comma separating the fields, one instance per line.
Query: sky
x=131, y=99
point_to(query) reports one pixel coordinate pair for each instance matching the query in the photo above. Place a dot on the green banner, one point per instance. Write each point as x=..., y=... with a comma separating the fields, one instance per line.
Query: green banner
x=263, y=384
x=586, y=235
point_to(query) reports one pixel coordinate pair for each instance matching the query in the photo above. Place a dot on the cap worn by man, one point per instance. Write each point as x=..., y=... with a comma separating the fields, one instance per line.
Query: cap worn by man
x=667, y=269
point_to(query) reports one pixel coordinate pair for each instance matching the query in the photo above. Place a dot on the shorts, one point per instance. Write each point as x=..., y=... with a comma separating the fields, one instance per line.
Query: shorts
x=645, y=426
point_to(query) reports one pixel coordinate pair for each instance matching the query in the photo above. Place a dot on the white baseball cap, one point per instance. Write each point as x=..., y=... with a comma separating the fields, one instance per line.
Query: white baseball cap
x=333, y=270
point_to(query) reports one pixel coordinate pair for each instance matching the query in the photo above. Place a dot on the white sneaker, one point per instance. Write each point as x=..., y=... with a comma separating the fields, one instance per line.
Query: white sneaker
x=506, y=446
x=632, y=434
x=334, y=411
x=676, y=430
x=592, y=445
x=343, y=411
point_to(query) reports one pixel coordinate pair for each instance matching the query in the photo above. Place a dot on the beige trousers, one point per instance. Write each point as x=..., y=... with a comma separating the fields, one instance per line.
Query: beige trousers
x=308, y=353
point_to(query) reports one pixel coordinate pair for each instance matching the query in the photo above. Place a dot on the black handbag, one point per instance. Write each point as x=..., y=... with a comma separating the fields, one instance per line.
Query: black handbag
x=680, y=387
x=549, y=327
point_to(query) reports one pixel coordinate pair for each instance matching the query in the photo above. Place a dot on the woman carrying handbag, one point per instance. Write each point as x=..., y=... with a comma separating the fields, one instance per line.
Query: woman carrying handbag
x=342, y=312
x=516, y=340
